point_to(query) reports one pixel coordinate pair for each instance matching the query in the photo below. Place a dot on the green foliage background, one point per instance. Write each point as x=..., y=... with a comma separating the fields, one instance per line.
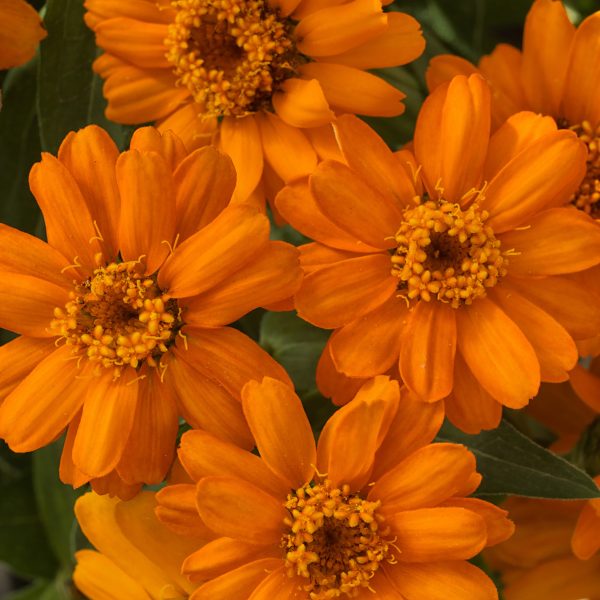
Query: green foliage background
x=57, y=92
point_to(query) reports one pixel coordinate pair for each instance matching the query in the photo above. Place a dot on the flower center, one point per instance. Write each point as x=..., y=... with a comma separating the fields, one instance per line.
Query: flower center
x=118, y=317
x=447, y=253
x=587, y=195
x=230, y=54
x=334, y=540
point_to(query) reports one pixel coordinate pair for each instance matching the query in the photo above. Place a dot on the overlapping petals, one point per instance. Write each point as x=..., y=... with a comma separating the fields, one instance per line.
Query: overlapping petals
x=477, y=351
x=427, y=526
x=21, y=29
x=162, y=215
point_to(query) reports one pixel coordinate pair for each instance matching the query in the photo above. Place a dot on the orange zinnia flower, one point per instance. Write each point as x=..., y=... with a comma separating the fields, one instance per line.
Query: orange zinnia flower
x=276, y=72
x=121, y=314
x=137, y=558
x=537, y=561
x=21, y=28
x=387, y=518
x=448, y=261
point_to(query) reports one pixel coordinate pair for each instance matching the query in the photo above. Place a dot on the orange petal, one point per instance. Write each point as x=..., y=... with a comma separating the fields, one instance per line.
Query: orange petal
x=203, y=454
x=28, y=303
x=18, y=358
x=554, y=347
x=69, y=225
x=141, y=44
x=273, y=275
x=366, y=419
x=519, y=132
x=223, y=555
x=204, y=403
x=136, y=519
x=587, y=386
x=204, y=184
x=95, y=574
x=285, y=147
x=177, y=511
x=355, y=91
x=425, y=478
x=472, y=484
x=313, y=256
x=367, y=154
x=44, y=404
x=583, y=74
x=401, y=43
x=324, y=142
x=546, y=44
x=351, y=203
x=449, y=580
x=96, y=516
x=211, y=255
x=167, y=145
x=498, y=527
x=470, y=407
x=142, y=10
x=147, y=208
x=106, y=423
x=586, y=537
x=21, y=29
x=107, y=64
x=498, y=353
x=414, y=426
x=238, y=509
x=339, y=28
x=285, y=7
x=237, y=583
x=68, y=472
x=307, y=7
x=190, y=128
x=557, y=241
x=337, y=294
x=461, y=129
x=25, y=254
x=331, y=383
x=445, y=67
x=151, y=445
x=428, y=348
x=229, y=357
x=137, y=95
x=432, y=534
x=279, y=586
x=113, y=485
x=297, y=205
x=548, y=169
x=281, y=429
x=580, y=315
x=302, y=103
x=90, y=155
x=240, y=139
x=371, y=344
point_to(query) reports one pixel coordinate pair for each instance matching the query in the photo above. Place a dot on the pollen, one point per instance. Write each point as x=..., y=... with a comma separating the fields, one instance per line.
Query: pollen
x=230, y=54
x=447, y=253
x=118, y=317
x=587, y=195
x=335, y=540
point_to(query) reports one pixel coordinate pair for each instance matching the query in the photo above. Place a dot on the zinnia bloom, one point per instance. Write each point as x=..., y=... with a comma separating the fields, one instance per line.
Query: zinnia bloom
x=21, y=29
x=557, y=74
x=374, y=511
x=537, y=562
x=449, y=263
x=121, y=314
x=275, y=71
x=137, y=558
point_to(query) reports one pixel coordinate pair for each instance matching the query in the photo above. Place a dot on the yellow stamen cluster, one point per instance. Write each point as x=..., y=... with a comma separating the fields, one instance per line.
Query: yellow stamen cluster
x=334, y=541
x=118, y=317
x=230, y=54
x=588, y=193
x=447, y=253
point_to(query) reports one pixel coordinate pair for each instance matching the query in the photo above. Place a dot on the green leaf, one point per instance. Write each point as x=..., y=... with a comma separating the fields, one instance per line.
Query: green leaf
x=295, y=344
x=19, y=150
x=31, y=592
x=69, y=92
x=23, y=542
x=512, y=464
x=55, y=501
